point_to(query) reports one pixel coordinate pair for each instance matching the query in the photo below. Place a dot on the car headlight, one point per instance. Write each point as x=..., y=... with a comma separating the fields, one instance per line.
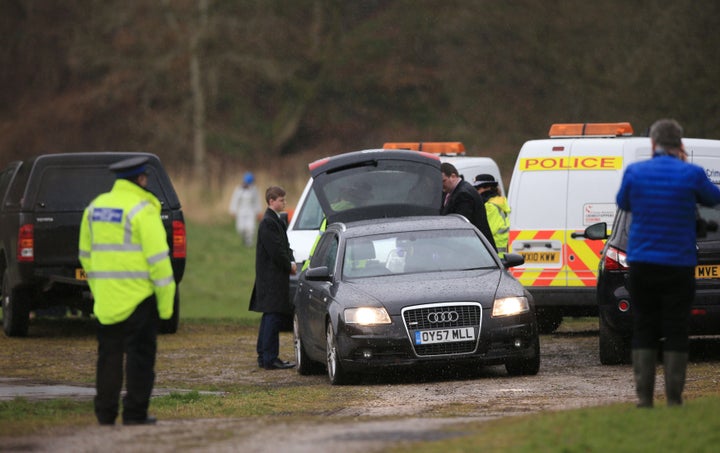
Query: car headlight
x=367, y=316
x=509, y=306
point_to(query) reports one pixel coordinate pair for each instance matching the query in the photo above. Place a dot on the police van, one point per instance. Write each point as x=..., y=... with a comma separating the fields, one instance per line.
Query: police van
x=560, y=186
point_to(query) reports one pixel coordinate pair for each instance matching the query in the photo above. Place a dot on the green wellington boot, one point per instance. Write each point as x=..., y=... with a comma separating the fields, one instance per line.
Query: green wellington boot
x=675, y=365
x=644, y=362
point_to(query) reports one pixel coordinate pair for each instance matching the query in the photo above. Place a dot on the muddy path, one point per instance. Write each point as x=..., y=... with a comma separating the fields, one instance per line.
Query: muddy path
x=395, y=409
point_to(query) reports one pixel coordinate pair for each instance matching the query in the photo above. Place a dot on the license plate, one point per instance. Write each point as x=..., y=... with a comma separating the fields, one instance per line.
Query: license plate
x=541, y=257
x=444, y=335
x=707, y=271
x=80, y=274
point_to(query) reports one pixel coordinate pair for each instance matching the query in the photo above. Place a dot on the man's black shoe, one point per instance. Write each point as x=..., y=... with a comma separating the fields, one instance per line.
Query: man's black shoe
x=260, y=362
x=278, y=364
x=147, y=421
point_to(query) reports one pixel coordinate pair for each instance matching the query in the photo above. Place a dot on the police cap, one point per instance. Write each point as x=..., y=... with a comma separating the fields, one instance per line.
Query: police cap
x=131, y=167
x=484, y=180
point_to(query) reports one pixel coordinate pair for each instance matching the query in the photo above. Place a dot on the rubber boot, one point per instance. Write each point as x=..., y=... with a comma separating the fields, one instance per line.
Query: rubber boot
x=644, y=362
x=675, y=365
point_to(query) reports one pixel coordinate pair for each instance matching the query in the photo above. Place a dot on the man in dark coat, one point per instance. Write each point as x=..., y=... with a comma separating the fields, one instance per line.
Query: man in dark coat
x=460, y=197
x=274, y=263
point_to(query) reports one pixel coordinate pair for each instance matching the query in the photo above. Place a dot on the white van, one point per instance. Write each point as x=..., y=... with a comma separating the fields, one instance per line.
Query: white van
x=305, y=223
x=560, y=186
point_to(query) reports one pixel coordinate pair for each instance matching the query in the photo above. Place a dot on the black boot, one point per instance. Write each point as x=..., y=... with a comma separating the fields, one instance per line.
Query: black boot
x=644, y=361
x=675, y=365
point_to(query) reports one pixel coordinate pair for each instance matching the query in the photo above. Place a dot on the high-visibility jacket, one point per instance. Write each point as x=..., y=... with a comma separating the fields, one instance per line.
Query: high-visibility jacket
x=124, y=251
x=498, y=215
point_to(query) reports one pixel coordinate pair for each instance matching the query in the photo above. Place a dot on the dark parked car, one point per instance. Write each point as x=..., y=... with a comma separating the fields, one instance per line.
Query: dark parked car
x=393, y=284
x=41, y=204
x=614, y=304
x=411, y=291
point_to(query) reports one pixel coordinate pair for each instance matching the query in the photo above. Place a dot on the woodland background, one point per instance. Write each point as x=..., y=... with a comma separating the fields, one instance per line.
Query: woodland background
x=217, y=87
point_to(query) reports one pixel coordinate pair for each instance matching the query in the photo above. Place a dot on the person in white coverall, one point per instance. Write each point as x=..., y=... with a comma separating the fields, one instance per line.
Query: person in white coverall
x=245, y=206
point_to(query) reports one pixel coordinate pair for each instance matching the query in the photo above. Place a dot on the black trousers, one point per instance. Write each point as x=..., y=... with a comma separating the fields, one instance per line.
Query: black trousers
x=662, y=297
x=268, y=342
x=133, y=341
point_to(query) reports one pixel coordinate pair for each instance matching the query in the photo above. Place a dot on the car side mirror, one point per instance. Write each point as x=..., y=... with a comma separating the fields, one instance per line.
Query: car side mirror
x=512, y=259
x=596, y=231
x=321, y=273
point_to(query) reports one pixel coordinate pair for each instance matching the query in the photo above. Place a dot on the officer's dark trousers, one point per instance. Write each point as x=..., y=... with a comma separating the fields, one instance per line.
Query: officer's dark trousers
x=268, y=342
x=661, y=300
x=134, y=339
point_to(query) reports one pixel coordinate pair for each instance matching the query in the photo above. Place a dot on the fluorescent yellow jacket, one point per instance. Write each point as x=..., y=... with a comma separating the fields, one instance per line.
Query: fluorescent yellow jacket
x=123, y=249
x=498, y=215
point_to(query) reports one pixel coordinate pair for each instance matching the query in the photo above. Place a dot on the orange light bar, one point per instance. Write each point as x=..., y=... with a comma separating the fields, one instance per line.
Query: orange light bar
x=444, y=148
x=590, y=130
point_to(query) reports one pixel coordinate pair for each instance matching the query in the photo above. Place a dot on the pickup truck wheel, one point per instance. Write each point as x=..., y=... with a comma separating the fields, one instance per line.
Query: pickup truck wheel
x=15, y=309
x=171, y=325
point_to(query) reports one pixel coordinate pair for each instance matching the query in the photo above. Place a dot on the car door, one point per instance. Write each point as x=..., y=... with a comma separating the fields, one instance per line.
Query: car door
x=318, y=292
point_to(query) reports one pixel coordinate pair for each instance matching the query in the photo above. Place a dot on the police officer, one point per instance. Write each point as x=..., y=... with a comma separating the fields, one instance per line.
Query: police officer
x=497, y=209
x=124, y=251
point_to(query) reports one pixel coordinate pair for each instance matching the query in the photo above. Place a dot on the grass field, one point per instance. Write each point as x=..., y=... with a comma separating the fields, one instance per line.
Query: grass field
x=219, y=274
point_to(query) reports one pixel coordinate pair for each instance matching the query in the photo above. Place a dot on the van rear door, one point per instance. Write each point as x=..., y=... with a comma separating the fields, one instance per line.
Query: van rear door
x=537, y=196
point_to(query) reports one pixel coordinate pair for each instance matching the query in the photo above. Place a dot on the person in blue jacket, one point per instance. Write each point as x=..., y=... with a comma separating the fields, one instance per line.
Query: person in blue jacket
x=662, y=194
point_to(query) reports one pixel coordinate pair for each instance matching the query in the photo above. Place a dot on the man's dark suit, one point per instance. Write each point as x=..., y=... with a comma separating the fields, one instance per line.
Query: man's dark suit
x=466, y=201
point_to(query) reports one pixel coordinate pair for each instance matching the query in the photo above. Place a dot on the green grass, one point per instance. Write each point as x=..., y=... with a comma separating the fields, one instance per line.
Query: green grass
x=219, y=274
x=618, y=428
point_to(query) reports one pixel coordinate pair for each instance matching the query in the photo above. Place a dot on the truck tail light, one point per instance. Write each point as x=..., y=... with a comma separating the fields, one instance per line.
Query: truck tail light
x=179, y=239
x=615, y=260
x=26, y=244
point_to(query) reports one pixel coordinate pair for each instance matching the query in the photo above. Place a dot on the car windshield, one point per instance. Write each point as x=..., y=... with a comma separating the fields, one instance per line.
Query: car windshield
x=413, y=252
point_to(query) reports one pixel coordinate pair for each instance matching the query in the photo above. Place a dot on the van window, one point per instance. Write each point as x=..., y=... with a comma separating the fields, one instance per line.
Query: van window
x=311, y=214
x=543, y=201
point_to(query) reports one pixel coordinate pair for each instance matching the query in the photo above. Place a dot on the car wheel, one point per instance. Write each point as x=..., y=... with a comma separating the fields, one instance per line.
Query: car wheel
x=529, y=364
x=335, y=372
x=548, y=320
x=614, y=347
x=171, y=325
x=305, y=366
x=15, y=309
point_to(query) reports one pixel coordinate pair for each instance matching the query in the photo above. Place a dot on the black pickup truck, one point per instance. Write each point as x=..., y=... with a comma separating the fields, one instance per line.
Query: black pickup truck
x=41, y=204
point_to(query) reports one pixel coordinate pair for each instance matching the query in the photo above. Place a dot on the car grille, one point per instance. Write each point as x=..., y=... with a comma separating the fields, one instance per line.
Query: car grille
x=418, y=318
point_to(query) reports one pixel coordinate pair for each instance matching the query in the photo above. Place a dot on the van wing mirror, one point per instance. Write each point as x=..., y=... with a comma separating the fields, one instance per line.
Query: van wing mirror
x=596, y=231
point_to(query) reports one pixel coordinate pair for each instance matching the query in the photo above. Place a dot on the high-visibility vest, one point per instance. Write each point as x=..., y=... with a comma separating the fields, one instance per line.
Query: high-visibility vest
x=498, y=211
x=124, y=251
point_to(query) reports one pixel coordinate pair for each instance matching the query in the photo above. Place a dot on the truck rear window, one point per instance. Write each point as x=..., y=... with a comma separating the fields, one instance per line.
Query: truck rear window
x=65, y=188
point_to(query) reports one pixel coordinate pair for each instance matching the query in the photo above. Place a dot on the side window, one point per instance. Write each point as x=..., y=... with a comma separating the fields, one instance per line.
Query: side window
x=311, y=214
x=326, y=254
x=5, y=178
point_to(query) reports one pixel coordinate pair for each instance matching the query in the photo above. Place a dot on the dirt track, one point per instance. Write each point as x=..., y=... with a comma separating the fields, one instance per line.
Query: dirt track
x=394, y=411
